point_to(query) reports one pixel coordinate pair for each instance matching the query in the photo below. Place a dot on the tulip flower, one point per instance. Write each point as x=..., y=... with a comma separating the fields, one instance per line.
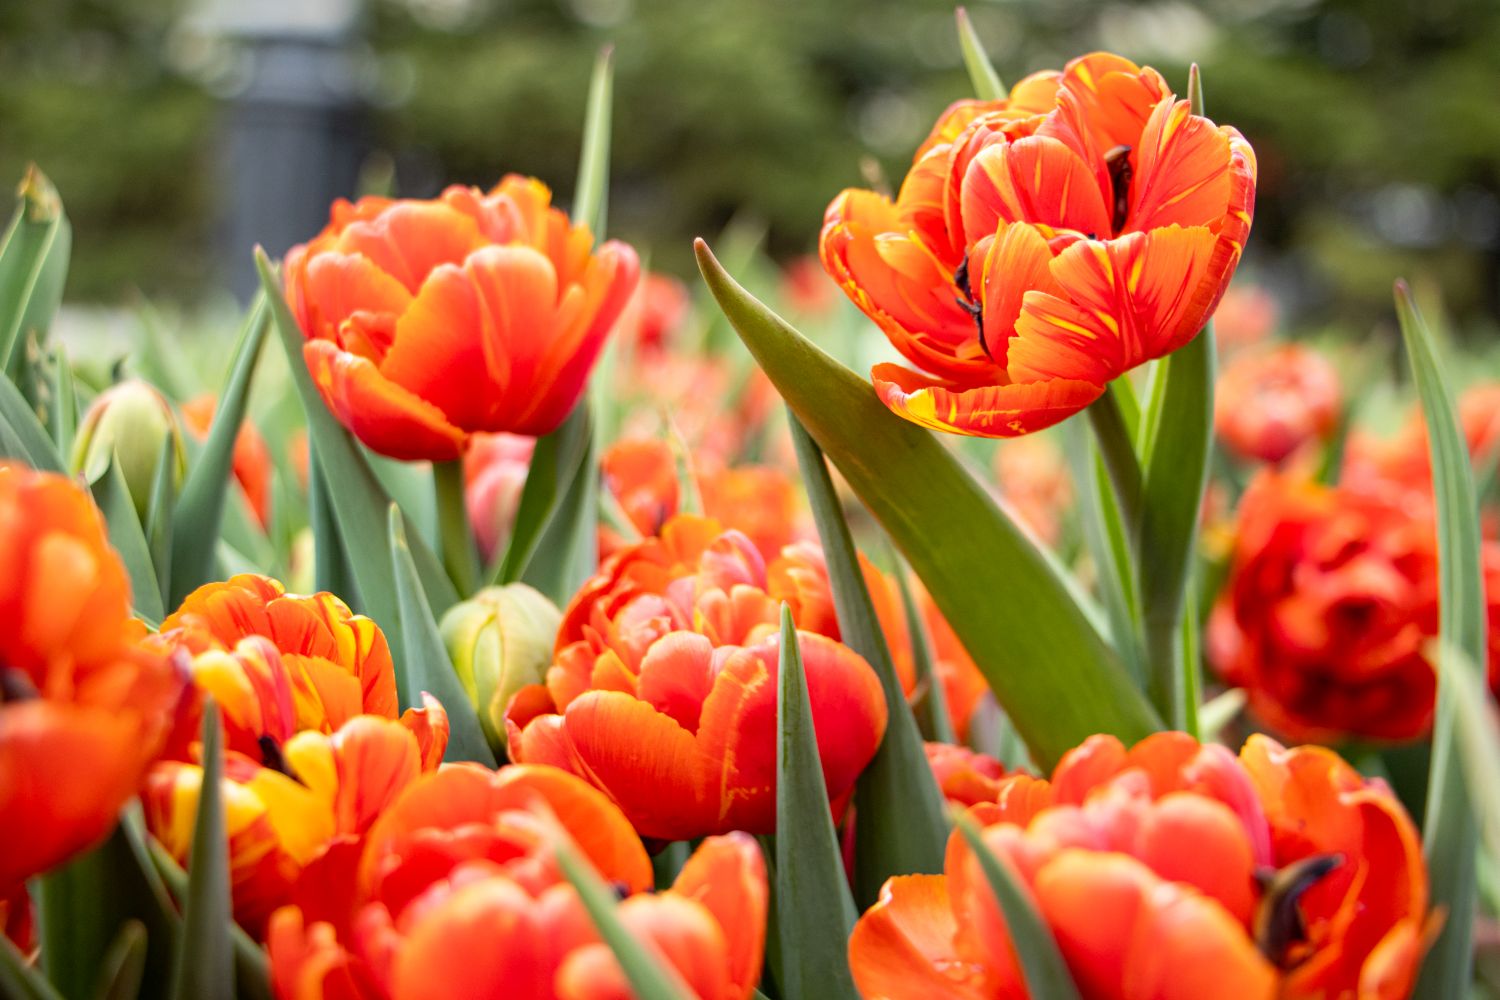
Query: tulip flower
x=132, y=424
x=1331, y=600
x=965, y=777
x=663, y=689
x=427, y=321
x=251, y=459
x=495, y=470
x=1402, y=463
x=500, y=640
x=1171, y=870
x=657, y=310
x=82, y=710
x=1269, y=404
x=1043, y=245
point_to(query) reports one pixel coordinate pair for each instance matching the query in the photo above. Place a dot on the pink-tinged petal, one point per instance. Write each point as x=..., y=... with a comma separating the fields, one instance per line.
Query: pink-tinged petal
x=989, y=411
x=384, y=416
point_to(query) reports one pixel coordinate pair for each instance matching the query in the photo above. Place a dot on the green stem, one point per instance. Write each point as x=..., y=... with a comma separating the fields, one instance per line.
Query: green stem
x=460, y=557
x=1120, y=461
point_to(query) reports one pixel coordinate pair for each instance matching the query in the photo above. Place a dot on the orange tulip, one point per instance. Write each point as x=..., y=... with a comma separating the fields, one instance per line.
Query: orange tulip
x=251, y=460
x=1172, y=870
x=457, y=892
x=1268, y=404
x=82, y=711
x=1402, y=462
x=1044, y=244
x=965, y=777
x=1331, y=600
x=427, y=321
x=663, y=693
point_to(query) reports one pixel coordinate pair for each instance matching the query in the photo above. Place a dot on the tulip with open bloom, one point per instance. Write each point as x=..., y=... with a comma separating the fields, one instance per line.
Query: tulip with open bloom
x=1269, y=403
x=82, y=710
x=663, y=689
x=427, y=321
x=1171, y=871
x=1044, y=244
x=457, y=892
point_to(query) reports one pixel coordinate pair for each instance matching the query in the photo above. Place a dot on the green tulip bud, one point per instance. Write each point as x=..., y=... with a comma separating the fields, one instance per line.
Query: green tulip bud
x=500, y=640
x=134, y=424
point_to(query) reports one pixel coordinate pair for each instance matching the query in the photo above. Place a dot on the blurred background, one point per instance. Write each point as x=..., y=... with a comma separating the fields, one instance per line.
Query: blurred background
x=181, y=132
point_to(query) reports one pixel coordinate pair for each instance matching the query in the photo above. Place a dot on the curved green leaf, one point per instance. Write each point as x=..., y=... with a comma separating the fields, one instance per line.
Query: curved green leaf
x=204, y=968
x=931, y=710
x=814, y=911
x=1056, y=676
x=901, y=828
x=982, y=76
x=124, y=964
x=199, y=514
x=18, y=979
x=33, y=267
x=112, y=497
x=425, y=665
x=1450, y=833
x=1042, y=966
x=591, y=199
x=555, y=463
x=22, y=435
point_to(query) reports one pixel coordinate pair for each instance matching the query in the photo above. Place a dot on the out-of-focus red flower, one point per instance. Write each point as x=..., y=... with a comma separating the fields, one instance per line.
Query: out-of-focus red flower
x=1270, y=403
x=495, y=468
x=805, y=287
x=664, y=688
x=655, y=312
x=1035, y=484
x=82, y=710
x=1044, y=244
x=641, y=472
x=1402, y=461
x=965, y=777
x=1247, y=315
x=1172, y=870
x=252, y=460
x=427, y=321
x=1331, y=598
x=17, y=920
x=456, y=891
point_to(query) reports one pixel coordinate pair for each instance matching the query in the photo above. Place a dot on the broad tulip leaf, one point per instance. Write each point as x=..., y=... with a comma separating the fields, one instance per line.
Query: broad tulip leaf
x=22, y=435
x=251, y=964
x=425, y=665
x=330, y=564
x=358, y=501
x=551, y=507
x=18, y=979
x=901, y=828
x=1450, y=832
x=814, y=911
x=204, y=969
x=1045, y=973
x=126, y=536
x=124, y=965
x=591, y=196
x=650, y=977
x=33, y=267
x=159, y=514
x=199, y=515
x=1048, y=665
x=1477, y=738
x=982, y=76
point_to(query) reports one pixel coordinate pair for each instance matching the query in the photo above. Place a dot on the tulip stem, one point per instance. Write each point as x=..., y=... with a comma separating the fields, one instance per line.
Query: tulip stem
x=1120, y=460
x=460, y=557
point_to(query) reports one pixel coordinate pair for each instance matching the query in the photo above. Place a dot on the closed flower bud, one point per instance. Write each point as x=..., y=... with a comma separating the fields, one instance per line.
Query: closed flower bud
x=500, y=641
x=132, y=422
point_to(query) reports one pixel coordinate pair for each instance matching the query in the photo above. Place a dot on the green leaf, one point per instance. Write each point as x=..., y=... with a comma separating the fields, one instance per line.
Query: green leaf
x=1116, y=443
x=159, y=515
x=1045, y=973
x=251, y=964
x=33, y=267
x=931, y=710
x=1175, y=479
x=591, y=196
x=814, y=911
x=460, y=556
x=124, y=964
x=200, y=511
x=63, y=420
x=982, y=76
x=425, y=665
x=330, y=565
x=1048, y=665
x=1218, y=712
x=357, y=500
x=205, y=961
x=570, y=540
x=650, y=977
x=22, y=435
x=1450, y=832
x=901, y=828
x=18, y=980
x=126, y=536
x=1477, y=738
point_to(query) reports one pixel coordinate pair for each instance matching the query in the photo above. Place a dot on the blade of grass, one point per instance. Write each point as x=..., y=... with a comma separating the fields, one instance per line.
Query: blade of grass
x=591, y=198
x=126, y=536
x=18, y=979
x=205, y=961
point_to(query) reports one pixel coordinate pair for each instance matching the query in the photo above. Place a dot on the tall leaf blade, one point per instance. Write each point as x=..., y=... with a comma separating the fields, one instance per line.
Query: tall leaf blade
x=425, y=665
x=199, y=516
x=814, y=912
x=591, y=199
x=556, y=462
x=126, y=536
x=982, y=76
x=1042, y=966
x=1048, y=665
x=22, y=435
x=901, y=828
x=1450, y=833
x=205, y=963
x=18, y=979
x=33, y=267
x=124, y=965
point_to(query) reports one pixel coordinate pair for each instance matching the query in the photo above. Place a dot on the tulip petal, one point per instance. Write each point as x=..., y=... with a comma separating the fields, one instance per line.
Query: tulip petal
x=410, y=238
x=988, y=411
x=903, y=946
x=1182, y=171
x=383, y=415
x=727, y=876
x=1039, y=180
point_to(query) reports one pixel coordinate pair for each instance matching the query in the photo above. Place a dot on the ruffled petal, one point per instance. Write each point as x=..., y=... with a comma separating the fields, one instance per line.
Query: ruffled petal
x=386, y=417
x=989, y=411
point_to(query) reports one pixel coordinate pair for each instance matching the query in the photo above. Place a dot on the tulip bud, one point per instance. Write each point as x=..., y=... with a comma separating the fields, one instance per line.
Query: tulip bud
x=500, y=640
x=132, y=422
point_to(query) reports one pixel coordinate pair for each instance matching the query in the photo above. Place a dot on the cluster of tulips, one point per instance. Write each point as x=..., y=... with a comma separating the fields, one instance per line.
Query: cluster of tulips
x=597, y=700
